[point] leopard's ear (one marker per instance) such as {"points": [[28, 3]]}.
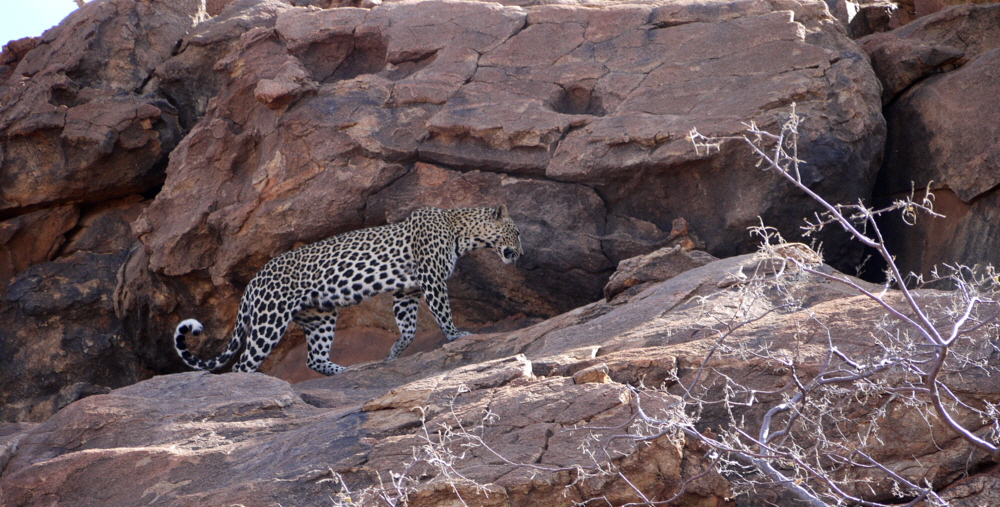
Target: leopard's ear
{"points": [[501, 212]]}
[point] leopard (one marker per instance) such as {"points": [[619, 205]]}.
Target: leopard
{"points": [[307, 285]]}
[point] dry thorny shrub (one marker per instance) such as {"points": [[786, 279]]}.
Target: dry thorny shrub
{"points": [[820, 437], [810, 440]]}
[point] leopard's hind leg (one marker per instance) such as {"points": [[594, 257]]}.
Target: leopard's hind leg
{"points": [[266, 325], [319, 325]]}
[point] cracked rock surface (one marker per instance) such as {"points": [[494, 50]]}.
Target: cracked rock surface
{"points": [[494, 419]]}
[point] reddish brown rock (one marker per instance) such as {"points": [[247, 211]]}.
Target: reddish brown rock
{"points": [[941, 134], [250, 439], [634, 274], [72, 125], [58, 329], [189, 78], [33, 238], [876, 17], [329, 120], [934, 44], [979, 489], [13, 52], [926, 7], [106, 227], [79, 140]]}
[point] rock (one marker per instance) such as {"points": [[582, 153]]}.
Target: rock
{"points": [[940, 136], [60, 337], [875, 17], [214, 7], [72, 126], [944, 114], [979, 489], [961, 155], [106, 228], [498, 413], [926, 7], [189, 78], [645, 129], [934, 44], [597, 374], [13, 52], [33, 238], [181, 434], [635, 273], [306, 118]]}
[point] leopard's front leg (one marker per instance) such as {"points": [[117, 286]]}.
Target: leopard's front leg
{"points": [[404, 307], [436, 295]]}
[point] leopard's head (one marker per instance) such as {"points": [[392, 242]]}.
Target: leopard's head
{"points": [[504, 237]]}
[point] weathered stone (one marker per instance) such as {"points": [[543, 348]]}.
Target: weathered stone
{"points": [[927, 7], [325, 121], [307, 120], [33, 238], [941, 134], [644, 131], [180, 434], [934, 44], [183, 432], [72, 127], [106, 228], [597, 374], [13, 52], [874, 17], [635, 273], [189, 78], [58, 328], [980, 489]]}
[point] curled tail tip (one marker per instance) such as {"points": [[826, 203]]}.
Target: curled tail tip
{"points": [[189, 326]]}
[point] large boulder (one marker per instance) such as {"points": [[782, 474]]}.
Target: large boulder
{"points": [[302, 122], [248, 439], [942, 96], [188, 78], [933, 45], [72, 125]]}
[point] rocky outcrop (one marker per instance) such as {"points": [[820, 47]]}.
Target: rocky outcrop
{"points": [[634, 274], [153, 158], [249, 439], [80, 143], [934, 45], [72, 127], [285, 124], [497, 413], [941, 93]]}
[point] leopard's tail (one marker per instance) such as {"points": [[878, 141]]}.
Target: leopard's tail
{"points": [[191, 326]]}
